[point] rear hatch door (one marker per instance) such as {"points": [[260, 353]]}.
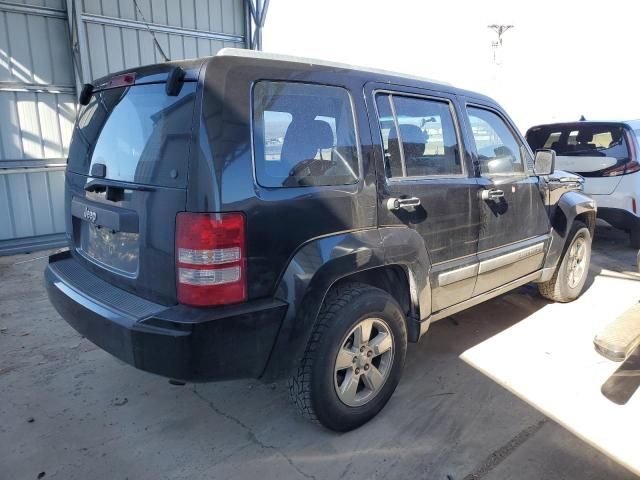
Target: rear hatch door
{"points": [[127, 180], [590, 149]]}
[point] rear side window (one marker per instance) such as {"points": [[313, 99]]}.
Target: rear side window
{"points": [[418, 136], [139, 133], [304, 135]]}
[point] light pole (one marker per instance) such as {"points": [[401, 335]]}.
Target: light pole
{"points": [[500, 31]]}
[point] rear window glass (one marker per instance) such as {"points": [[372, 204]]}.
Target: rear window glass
{"points": [[139, 133], [588, 140], [304, 135]]}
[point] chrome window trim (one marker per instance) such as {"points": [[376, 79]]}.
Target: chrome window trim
{"points": [[456, 126]]}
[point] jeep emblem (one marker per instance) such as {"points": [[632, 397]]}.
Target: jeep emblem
{"points": [[90, 215]]}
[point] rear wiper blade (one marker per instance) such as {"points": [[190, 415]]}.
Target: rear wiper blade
{"points": [[100, 184]]}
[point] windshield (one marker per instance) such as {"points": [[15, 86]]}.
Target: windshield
{"points": [[139, 133]]}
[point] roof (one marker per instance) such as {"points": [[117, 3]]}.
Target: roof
{"points": [[244, 53]]}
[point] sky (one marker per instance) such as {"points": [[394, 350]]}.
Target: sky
{"points": [[562, 59]]}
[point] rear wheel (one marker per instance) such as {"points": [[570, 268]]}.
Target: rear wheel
{"points": [[354, 359], [571, 275]]}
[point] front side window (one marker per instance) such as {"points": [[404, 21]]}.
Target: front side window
{"points": [[419, 137], [499, 153], [304, 135]]}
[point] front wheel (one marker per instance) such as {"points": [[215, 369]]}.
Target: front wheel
{"points": [[354, 359], [571, 275]]}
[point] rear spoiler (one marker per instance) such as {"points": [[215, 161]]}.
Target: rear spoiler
{"points": [[174, 80]]}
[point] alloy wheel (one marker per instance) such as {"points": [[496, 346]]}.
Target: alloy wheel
{"points": [[363, 362], [577, 262]]}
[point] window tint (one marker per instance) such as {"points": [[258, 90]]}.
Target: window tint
{"points": [[499, 152], [421, 137], [139, 133], [304, 135], [588, 140]]}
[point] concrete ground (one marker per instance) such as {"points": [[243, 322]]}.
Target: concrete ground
{"points": [[70, 411]]}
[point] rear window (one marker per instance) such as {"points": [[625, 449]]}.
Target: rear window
{"points": [[304, 135], [139, 133], [587, 140]]}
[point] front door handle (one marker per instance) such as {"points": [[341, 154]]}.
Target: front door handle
{"points": [[404, 203], [491, 194]]}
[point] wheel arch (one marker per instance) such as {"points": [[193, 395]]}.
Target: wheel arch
{"points": [[571, 207], [395, 262]]}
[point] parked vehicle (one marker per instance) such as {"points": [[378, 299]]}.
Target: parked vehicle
{"points": [[606, 155], [252, 215]]}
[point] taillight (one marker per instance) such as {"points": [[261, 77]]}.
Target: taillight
{"points": [[211, 265], [631, 166]]}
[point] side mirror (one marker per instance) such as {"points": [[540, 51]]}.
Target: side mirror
{"points": [[544, 162]]}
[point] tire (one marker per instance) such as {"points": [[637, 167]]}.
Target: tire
{"points": [[562, 287], [634, 237], [345, 313]]}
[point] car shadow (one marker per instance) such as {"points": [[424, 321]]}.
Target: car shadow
{"points": [[446, 419], [625, 381]]}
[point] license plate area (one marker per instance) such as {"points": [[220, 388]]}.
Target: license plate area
{"points": [[115, 251]]}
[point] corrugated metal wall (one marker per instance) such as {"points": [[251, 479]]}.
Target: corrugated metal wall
{"points": [[118, 37], [37, 110], [42, 63]]}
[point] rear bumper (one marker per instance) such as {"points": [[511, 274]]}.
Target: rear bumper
{"points": [[179, 342], [619, 218]]}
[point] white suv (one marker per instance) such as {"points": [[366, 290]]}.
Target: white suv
{"points": [[606, 155]]}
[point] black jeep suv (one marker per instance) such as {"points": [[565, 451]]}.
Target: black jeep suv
{"points": [[252, 215]]}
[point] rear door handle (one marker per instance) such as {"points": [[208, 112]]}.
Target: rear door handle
{"points": [[491, 194], [404, 203]]}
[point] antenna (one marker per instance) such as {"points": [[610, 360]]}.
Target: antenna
{"points": [[153, 35]]}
